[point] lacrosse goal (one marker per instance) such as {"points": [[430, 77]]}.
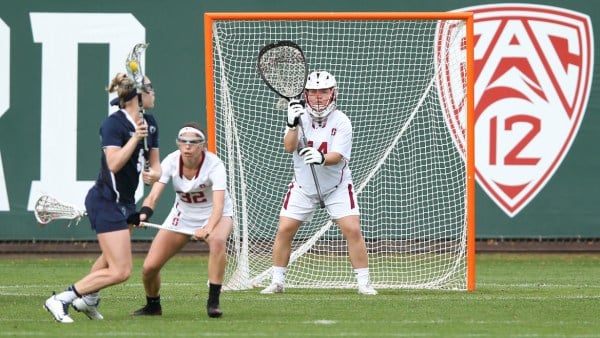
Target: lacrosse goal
{"points": [[406, 82]]}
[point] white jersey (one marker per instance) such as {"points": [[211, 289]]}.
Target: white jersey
{"points": [[194, 197], [334, 135]]}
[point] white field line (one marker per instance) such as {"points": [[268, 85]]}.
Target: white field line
{"points": [[479, 285], [201, 333]]}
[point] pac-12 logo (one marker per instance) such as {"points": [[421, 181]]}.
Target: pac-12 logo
{"points": [[533, 74]]}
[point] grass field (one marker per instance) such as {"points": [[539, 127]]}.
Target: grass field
{"points": [[527, 295]]}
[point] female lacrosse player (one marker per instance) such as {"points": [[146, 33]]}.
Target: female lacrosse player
{"points": [[110, 203], [329, 137], [202, 207]]}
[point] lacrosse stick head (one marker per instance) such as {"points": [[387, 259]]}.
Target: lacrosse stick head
{"points": [[282, 66], [48, 208], [133, 64]]}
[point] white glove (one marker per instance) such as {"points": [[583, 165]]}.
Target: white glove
{"points": [[295, 109], [312, 156]]}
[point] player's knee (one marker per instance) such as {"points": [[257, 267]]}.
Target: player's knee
{"points": [[353, 234], [286, 232], [217, 246], [150, 269], [121, 275]]}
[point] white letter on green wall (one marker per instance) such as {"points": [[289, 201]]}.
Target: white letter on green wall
{"points": [[60, 35]]}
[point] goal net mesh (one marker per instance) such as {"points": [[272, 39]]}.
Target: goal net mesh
{"points": [[408, 161]]}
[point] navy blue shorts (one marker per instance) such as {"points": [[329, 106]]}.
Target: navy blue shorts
{"points": [[104, 213]]}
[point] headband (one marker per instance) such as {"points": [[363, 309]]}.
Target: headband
{"points": [[117, 100], [191, 130]]}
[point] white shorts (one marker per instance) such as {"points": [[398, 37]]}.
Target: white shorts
{"points": [[186, 224], [339, 203]]}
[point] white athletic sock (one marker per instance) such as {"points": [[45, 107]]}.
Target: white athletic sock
{"points": [[279, 274], [362, 276], [91, 298], [67, 296]]}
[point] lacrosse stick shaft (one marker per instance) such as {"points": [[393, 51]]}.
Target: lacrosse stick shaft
{"points": [[146, 150], [314, 172], [48, 209], [161, 227]]}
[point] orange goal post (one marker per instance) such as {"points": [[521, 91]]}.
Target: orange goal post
{"points": [[405, 80]]}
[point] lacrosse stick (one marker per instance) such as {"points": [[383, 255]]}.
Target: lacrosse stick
{"points": [[133, 65], [283, 68], [48, 209]]}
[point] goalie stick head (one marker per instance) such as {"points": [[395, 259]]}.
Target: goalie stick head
{"points": [[282, 66]]}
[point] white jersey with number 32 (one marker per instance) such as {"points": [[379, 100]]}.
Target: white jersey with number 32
{"points": [[194, 197], [333, 135]]}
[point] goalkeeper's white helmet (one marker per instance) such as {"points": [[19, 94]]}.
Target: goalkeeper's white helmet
{"points": [[319, 109]]}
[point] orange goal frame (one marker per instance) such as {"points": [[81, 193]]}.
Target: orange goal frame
{"points": [[209, 18]]}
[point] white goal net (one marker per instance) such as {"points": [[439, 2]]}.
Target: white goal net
{"points": [[403, 84]]}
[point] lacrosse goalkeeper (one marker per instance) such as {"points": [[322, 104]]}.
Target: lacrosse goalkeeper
{"points": [[110, 203], [202, 206], [329, 143]]}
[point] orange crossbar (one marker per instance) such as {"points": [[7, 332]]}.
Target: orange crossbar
{"points": [[470, 129], [340, 16]]}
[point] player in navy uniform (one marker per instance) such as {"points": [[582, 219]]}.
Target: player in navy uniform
{"points": [[202, 207], [110, 203]]}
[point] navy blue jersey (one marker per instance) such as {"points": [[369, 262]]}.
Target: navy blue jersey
{"points": [[116, 130]]}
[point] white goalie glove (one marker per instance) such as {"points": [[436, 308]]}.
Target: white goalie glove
{"points": [[312, 156], [295, 109]]}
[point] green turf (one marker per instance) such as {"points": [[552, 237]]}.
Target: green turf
{"points": [[517, 296]]}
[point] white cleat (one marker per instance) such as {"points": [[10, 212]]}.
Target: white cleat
{"points": [[366, 290], [58, 309], [91, 311], [273, 288]]}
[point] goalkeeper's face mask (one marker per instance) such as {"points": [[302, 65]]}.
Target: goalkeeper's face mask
{"points": [[320, 94], [320, 102]]}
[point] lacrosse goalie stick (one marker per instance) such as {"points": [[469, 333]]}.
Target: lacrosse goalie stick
{"points": [[48, 209], [283, 68], [133, 65]]}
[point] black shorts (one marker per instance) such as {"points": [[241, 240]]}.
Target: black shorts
{"points": [[104, 213]]}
